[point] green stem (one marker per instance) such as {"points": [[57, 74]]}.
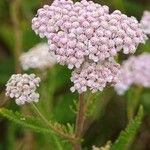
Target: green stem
{"points": [[14, 13], [60, 133], [79, 121], [133, 100]]}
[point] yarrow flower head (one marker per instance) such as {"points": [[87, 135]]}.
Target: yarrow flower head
{"points": [[94, 76], [23, 88], [86, 32], [145, 21], [37, 57], [135, 70]]}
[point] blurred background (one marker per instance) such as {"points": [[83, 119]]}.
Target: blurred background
{"points": [[110, 113]]}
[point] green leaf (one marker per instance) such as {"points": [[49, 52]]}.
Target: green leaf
{"points": [[127, 136], [26, 121]]}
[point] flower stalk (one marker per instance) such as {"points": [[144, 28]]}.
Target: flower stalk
{"points": [[79, 121]]}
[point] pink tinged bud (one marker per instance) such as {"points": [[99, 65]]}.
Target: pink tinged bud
{"points": [[90, 19], [65, 18], [41, 12], [63, 40], [71, 44], [85, 24], [132, 49], [69, 52], [104, 24], [106, 9], [82, 38], [67, 25], [50, 29], [103, 40], [79, 30], [73, 60], [108, 33], [81, 19], [65, 11], [94, 40], [70, 66], [128, 40], [42, 28], [84, 89], [75, 24], [99, 33], [113, 51], [121, 33], [72, 35], [72, 89], [89, 31], [79, 54], [52, 47], [113, 28], [125, 50], [56, 38], [95, 24], [59, 23], [118, 41], [73, 18], [80, 45]]}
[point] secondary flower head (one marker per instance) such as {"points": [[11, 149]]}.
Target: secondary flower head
{"points": [[23, 88], [85, 31], [94, 76], [145, 21], [135, 70], [37, 57]]}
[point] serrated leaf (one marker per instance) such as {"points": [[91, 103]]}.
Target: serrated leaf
{"points": [[127, 136], [26, 121]]}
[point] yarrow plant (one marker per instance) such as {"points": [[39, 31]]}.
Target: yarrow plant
{"points": [[85, 37], [145, 21], [37, 57], [135, 71], [23, 88]]}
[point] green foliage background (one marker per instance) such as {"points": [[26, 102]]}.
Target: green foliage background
{"points": [[109, 112]]}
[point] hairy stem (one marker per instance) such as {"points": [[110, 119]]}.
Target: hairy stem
{"points": [[60, 133], [79, 121]]}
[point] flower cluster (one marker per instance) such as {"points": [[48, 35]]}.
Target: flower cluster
{"points": [[94, 76], [23, 88], [135, 70], [37, 57], [145, 21], [85, 31]]}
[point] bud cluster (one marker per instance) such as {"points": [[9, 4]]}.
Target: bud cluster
{"points": [[23, 88]]}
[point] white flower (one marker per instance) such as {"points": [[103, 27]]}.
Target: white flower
{"points": [[145, 21], [37, 57], [135, 70], [23, 88]]}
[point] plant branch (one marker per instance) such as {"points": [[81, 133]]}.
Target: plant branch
{"points": [[79, 121], [60, 133]]}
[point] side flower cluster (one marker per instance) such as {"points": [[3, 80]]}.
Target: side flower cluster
{"points": [[23, 88], [37, 57], [94, 76], [145, 21], [135, 70]]}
